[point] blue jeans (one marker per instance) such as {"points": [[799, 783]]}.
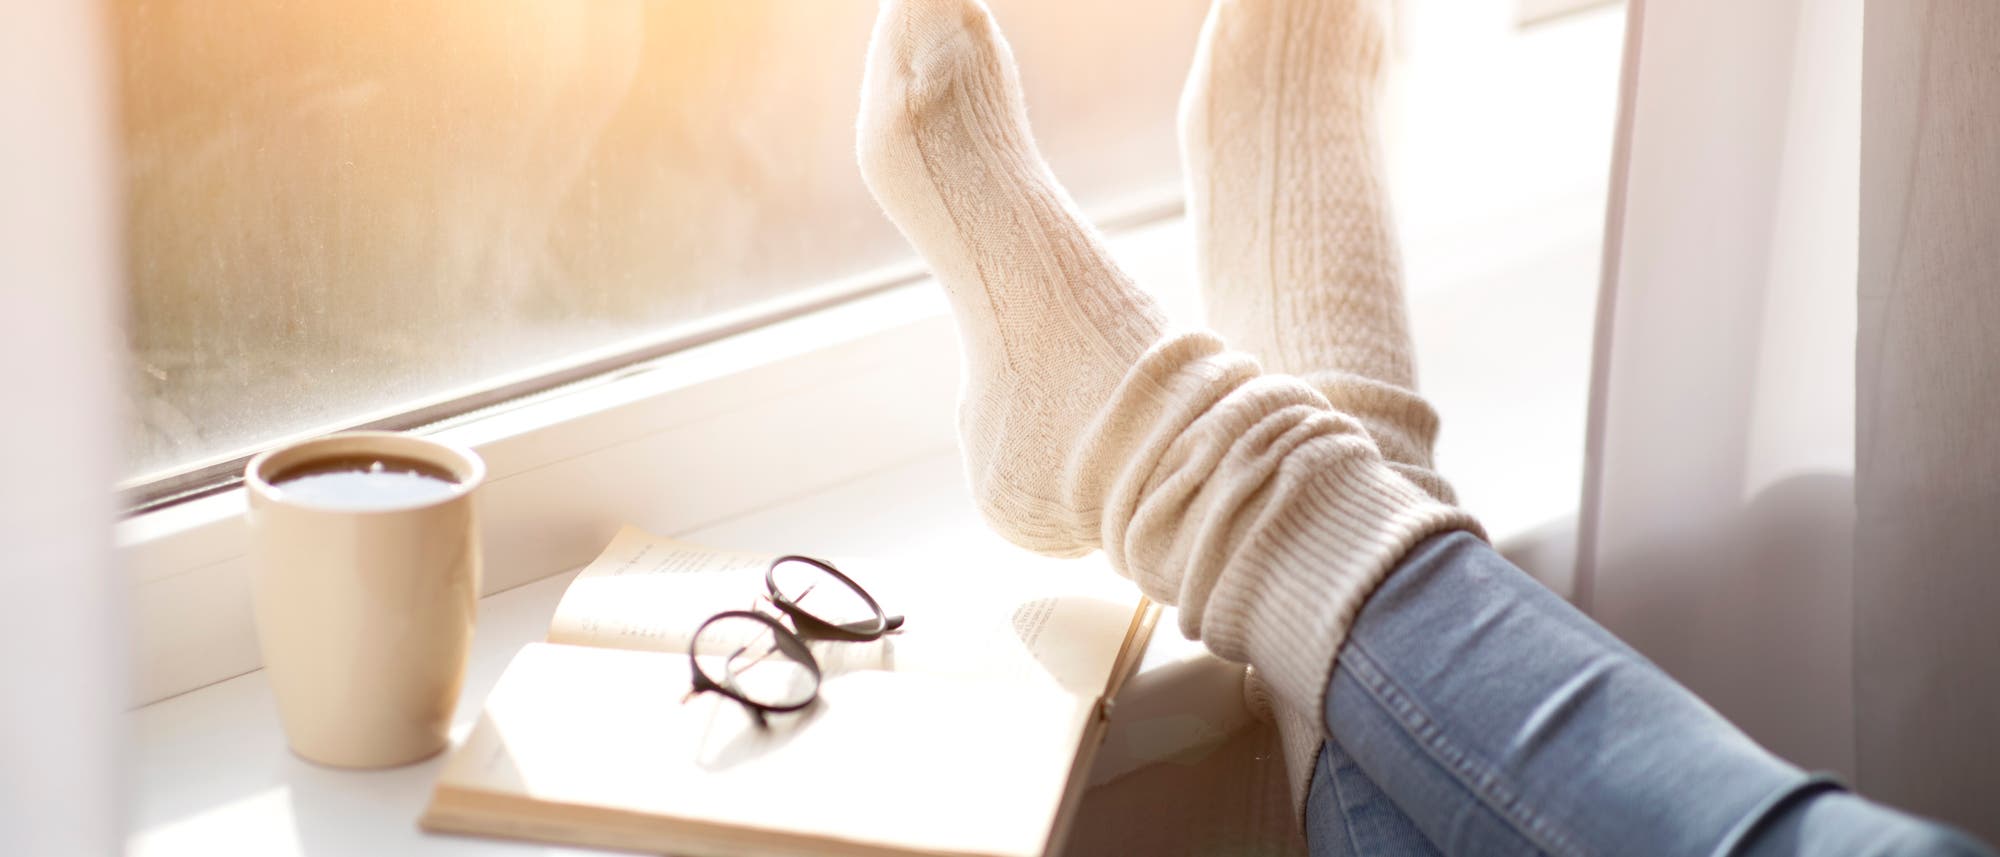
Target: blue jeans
{"points": [[1474, 712]]}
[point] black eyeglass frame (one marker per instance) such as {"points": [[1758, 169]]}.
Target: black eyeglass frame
{"points": [[812, 627], [786, 642], [790, 642]]}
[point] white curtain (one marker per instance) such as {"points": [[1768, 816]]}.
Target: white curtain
{"points": [[1927, 549], [61, 644], [1719, 530]]}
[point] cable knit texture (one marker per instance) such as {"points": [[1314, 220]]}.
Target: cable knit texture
{"points": [[1295, 247], [1244, 498], [1294, 242]]}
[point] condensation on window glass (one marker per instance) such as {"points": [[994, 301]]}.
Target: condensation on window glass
{"points": [[337, 208]]}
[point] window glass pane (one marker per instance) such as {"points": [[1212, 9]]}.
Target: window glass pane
{"points": [[338, 208]]}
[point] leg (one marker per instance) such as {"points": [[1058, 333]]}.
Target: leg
{"points": [[1503, 721], [1830, 821], [1265, 515], [1341, 810], [1480, 703], [1347, 815], [1296, 251], [1084, 422]]}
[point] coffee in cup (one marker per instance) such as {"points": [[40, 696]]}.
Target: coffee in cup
{"points": [[365, 579]]}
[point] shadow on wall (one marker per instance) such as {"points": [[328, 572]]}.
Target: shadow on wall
{"points": [[1751, 610]]}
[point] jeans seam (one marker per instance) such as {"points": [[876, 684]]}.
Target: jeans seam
{"points": [[1480, 779]]}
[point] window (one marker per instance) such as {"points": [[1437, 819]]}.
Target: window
{"points": [[345, 213], [327, 209]]}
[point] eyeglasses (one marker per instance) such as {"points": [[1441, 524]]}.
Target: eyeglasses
{"points": [[764, 664]]}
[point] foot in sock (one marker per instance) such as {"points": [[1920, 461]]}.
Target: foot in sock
{"points": [[1295, 248], [1050, 327], [1265, 515], [1294, 243]]}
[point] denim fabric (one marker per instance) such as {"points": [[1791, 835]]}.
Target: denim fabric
{"points": [[1828, 820], [1474, 712], [1347, 815]]}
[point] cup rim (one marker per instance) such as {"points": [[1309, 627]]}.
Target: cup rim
{"points": [[467, 468]]}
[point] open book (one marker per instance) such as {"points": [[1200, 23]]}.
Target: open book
{"points": [[966, 732]]}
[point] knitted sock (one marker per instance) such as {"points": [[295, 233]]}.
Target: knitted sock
{"points": [[1266, 516], [1296, 250], [1049, 325]]}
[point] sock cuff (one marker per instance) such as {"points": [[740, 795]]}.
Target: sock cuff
{"points": [[1287, 601], [1266, 515], [1325, 547]]}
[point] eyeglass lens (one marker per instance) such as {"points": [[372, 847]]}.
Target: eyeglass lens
{"points": [[811, 588], [746, 657]]}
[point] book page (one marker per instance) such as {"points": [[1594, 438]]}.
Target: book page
{"points": [[1014, 616], [598, 745], [644, 592]]}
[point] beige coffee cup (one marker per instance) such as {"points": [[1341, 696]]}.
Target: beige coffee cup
{"points": [[365, 613]]}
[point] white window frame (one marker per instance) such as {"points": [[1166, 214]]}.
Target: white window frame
{"points": [[224, 470]]}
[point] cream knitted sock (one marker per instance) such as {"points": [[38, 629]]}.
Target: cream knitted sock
{"points": [[1295, 247], [1266, 516], [1296, 250], [1049, 325]]}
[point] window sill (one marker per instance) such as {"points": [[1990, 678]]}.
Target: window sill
{"points": [[214, 776]]}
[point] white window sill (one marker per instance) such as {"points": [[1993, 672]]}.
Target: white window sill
{"points": [[214, 776]]}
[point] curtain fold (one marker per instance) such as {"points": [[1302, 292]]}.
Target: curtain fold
{"points": [[1716, 533], [1927, 462], [1792, 496]]}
